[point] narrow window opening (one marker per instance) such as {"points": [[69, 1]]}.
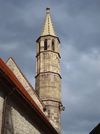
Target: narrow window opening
{"points": [[39, 47], [45, 44], [53, 45]]}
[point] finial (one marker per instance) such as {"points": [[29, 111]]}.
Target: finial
{"points": [[47, 10]]}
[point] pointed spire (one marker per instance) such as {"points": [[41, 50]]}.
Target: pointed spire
{"points": [[48, 26]]}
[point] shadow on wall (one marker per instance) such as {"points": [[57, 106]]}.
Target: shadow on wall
{"points": [[7, 123]]}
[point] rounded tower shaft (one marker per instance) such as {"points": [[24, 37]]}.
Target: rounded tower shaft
{"points": [[48, 78]]}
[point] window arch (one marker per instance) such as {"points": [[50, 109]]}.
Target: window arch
{"points": [[45, 44], [53, 45]]}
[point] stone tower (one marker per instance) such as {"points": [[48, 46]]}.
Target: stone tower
{"points": [[48, 78]]}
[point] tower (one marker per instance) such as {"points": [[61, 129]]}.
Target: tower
{"points": [[48, 78]]}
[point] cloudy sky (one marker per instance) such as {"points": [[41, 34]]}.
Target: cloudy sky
{"points": [[77, 23]]}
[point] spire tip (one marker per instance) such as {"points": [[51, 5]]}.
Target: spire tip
{"points": [[47, 10]]}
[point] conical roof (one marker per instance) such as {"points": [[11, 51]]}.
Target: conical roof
{"points": [[48, 28]]}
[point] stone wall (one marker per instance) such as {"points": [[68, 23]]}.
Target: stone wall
{"points": [[14, 68], [53, 114], [16, 118], [17, 122], [1, 108], [48, 61], [48, 86], [48, 77]]}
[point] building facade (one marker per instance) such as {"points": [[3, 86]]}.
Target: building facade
{"points": [[23, 109], [48, 77], [19, 113]]}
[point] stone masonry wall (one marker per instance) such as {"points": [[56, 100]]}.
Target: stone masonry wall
{"points": [[1, 108], [48, 77], [17, 121], [11, 64], [48, 86], [53, 113]]}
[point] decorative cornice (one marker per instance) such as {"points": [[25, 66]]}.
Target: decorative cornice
{"points": [[48, 72], [47, 36]]}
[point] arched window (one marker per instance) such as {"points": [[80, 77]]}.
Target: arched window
{"points": [[39, 47], [53, 45], [45, 44]]}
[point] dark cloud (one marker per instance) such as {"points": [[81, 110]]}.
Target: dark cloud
{"points": [[77, 23]]}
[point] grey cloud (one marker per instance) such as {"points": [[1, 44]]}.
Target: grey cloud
{"points": [[80, 89]]}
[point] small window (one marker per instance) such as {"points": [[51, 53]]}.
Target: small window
{"points": [[39, 46], [53, 45], [45, 44]]}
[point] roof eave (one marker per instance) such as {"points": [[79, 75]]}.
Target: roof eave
{"points": [[19, 88]]}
